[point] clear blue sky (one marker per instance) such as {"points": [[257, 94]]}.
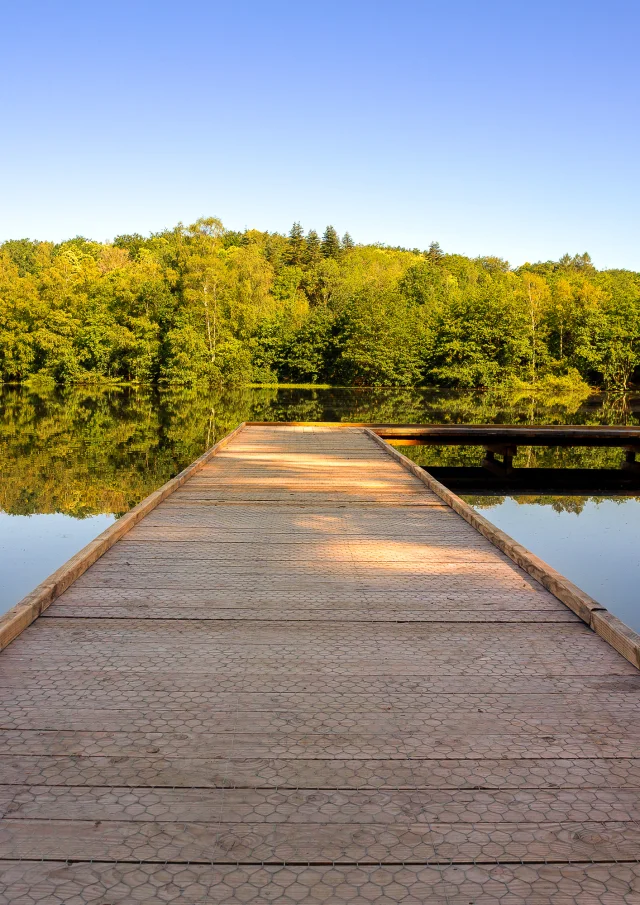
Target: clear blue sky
{"points": [[508, 128]]}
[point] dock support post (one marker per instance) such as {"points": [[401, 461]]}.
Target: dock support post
{"points": [[501, 468], [630, 462]]}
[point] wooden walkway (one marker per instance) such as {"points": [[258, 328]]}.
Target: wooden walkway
{"points": [[304, 679]]}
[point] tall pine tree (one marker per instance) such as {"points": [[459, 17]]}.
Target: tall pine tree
{"points": [[330, 243], [297, 244], [435, 252], [347, 242], [314, 252]]}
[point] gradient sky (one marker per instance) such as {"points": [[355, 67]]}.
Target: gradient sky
{"points": [[505, 128]]}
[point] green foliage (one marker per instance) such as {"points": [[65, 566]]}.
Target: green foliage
{"points": [[297, 245], [330, 243], [379, 341], [307, 350], [481, 335], [435, 252], [200, 304], [314, 250]]}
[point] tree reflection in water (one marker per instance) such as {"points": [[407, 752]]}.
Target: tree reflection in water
{"points": [[86, 451]]}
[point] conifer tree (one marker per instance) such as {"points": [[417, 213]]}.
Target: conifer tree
{"points": [[347, 242], [297, 244], [435, 252], [330, 243], [314, 252]]}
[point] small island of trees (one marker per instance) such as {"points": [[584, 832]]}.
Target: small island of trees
{"points": [[206, 304]]}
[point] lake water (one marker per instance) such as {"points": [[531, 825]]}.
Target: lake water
{"points": [[595, 543], [73, 461]]}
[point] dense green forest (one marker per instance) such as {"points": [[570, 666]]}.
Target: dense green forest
{"points": [[205, 304]]}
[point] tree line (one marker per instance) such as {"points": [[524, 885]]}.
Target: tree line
{"points": [[205, 304]]}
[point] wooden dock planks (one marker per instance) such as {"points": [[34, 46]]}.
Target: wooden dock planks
{"points": [[304, 678]]}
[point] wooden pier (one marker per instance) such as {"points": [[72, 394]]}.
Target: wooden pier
{"points": [[301, 676]]}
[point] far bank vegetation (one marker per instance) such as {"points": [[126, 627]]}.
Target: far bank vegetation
{"points": [[205, 304]]}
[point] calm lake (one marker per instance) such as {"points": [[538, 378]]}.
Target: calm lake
{"points": [[74, 461]]}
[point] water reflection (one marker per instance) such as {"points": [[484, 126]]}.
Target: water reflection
{"points": [[82, 456]]}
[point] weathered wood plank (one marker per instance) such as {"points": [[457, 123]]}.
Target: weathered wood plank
{"points": [[264, 613], [483, 842], [439, 774], [530, 884], [26, 701], [588, 740], [457, 594], [308, 806], [91, 681]]}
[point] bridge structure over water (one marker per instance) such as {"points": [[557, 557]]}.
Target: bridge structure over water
{"points": [[306, 672]]}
